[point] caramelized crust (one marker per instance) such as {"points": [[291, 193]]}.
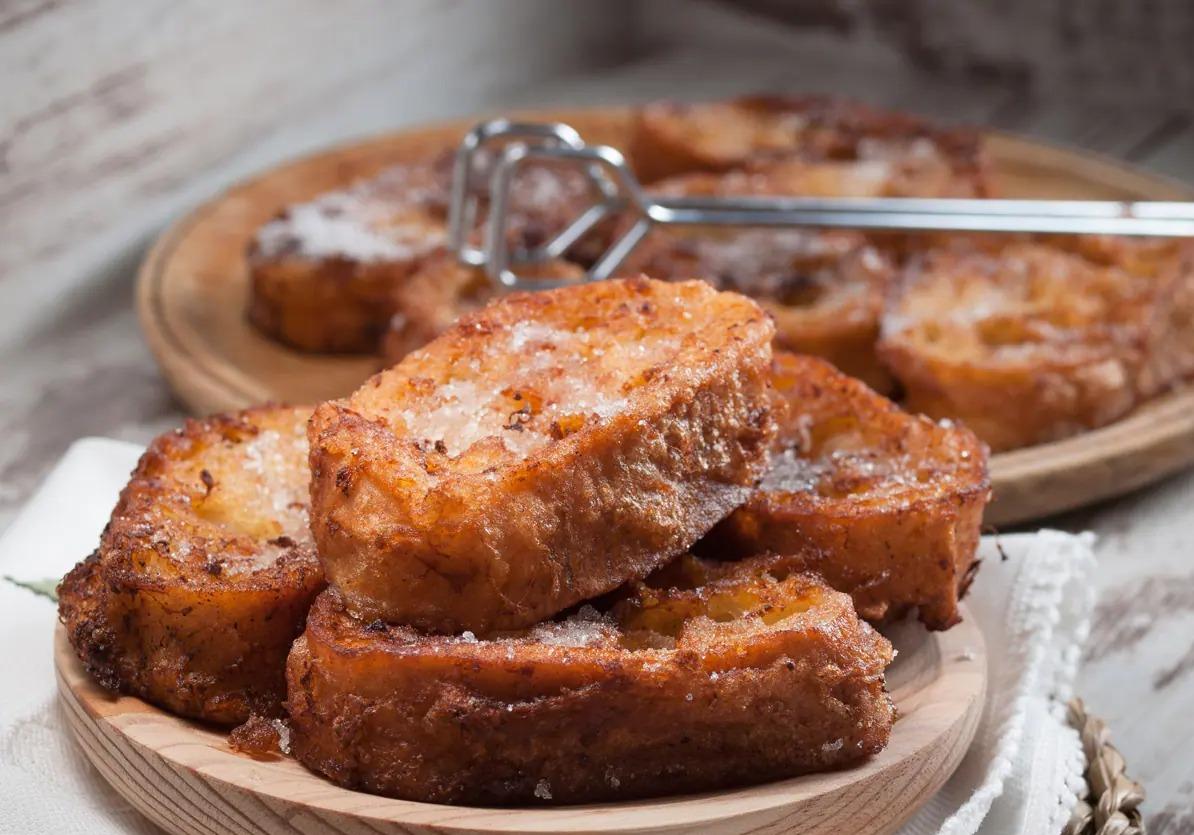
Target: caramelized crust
{"points": [[664, 690], [440, 292], [823, 289], [1029, 341], [205, 572], [831, 141], [542, 451], [885, 505]]}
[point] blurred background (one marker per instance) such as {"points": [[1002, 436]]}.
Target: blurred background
{"points": [[117, 117]]}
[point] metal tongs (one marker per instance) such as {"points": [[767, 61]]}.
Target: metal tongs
{"points": [[617, 191]]}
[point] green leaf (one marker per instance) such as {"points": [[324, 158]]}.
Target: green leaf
{"points": [[43, 588]]}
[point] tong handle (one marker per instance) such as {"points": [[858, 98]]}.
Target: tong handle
{"points": [[620, 192]]}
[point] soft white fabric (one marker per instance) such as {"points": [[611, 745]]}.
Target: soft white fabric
{"points": [[1032, 600], [1020, 775]]}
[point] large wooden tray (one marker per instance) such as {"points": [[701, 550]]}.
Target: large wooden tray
{"points": [[184, 778], [193, 285]]}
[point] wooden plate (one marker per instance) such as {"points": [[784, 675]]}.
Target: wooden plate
{"points": [[184, 778], [192, 291]]}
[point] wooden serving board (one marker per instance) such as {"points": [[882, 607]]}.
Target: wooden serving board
{"points": [[192, 293], [184, 777]]}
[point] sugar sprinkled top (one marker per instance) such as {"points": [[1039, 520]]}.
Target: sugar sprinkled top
{"points": [[386, 218], [564, 379], [265, 500], [271, 456]]}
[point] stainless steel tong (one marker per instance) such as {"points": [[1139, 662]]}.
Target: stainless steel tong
{"points": [[497, 149]]}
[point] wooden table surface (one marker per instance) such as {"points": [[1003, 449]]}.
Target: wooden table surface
{"points": [[81, 368]]}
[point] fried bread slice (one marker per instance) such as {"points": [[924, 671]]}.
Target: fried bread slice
{"points": [[204, 574], [540, 452], [844, 140], [824, 290], [663, 688], [885, 505], [323, 275], [1029, 341], [442, 290]]}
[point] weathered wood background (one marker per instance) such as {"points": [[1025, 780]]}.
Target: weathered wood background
{"points": [[116, 117]]}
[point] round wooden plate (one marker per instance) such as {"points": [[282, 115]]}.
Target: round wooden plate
{"points": [[193, 285], [184, 778]]}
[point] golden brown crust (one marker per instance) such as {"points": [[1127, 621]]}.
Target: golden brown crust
{"points": [[886, 506], [674, 138], [440, 292], [205, 572], [671, 690], [541, 452], [1029, 341]]}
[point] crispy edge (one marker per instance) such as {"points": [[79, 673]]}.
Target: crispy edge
{"points": [[436, 720], [187, 643], [890, 556]]}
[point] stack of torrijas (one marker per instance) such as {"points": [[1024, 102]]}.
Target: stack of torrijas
{"points": [[587, 544]]}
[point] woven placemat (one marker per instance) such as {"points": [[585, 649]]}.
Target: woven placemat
{"points": [[1111, 803]]}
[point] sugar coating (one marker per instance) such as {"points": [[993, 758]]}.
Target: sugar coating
{"points": [[271, 457], [585, 628], [918, 149], [388, 218], [539, 187], [283, 730], [399, 215], [565, 379], [258, 492], [783, 264], [791, 472]]}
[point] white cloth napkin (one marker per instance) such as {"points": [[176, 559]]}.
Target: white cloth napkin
{"points": [[1021, 774]]}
